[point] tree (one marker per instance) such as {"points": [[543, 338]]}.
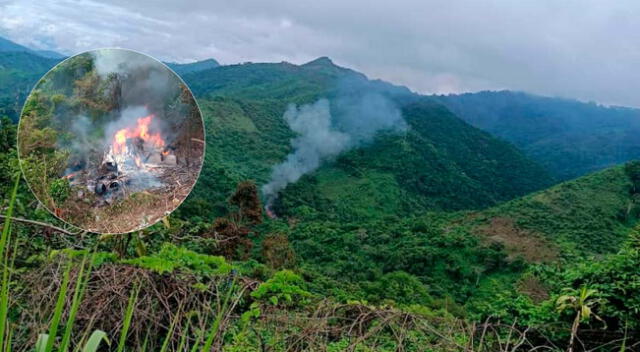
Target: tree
{"points": [[632, 169], [582, 303], [232, 231]]}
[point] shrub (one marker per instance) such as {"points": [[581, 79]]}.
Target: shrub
{"points": [[285, 288]]}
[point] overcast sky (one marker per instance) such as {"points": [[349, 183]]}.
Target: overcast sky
{"points": [[588, 50]]}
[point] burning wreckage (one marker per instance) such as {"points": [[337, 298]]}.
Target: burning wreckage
{"points": [[135, 160]]}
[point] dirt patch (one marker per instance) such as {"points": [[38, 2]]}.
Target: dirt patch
{"points": [[527, 244], [532, 287]]}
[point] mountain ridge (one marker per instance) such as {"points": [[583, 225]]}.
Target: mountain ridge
{"points": [[570, 138], [7, 45]]}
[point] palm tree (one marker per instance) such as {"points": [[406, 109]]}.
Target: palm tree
{"points": [[582, 303]]}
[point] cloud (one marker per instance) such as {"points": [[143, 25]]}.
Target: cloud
{"points": [[582, 49]]}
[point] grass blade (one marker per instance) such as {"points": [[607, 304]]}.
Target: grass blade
{"points": [[41, 344], [81, 284], [59, 309], [183, 338], [9, 214], [146, 340], [169, 335], [213, 332], [94, 341], [127, 318], [4, 238]]}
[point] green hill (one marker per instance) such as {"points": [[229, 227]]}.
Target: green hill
{"points": [[568, 137], [456, 252], [590, 215], [19, 72], [438, 162]]}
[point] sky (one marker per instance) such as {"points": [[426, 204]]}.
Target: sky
{"points": [[588, 50]]}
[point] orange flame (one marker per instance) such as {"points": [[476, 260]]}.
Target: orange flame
{"points": [[141, 130]]}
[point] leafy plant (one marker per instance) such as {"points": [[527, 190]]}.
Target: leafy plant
{"points": [[285, 288], [582, 304]]}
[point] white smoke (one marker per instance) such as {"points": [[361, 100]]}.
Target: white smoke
{"points": [[322, 135], [108, 61], [316, 142]]}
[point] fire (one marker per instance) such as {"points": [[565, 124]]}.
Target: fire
{"points": [[120, 142], [141, 130]]}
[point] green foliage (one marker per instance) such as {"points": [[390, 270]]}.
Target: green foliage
{"points": [[633, 172], [447, 259], [616, 279], [19, 72], [285, 289], [592, 214], [399, 287], [171, 258], [59, 190]]}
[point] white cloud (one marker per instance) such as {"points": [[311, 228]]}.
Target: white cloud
{"points": [[583, 49]]}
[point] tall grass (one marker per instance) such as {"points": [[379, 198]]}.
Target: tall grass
{"points": [[215, 327], [6, 271], [128, 315], [45, 342]]}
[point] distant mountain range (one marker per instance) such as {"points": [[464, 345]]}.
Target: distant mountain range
{"points": [[568, 137]]}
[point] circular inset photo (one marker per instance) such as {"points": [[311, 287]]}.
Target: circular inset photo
{"points": [[111, 141]]}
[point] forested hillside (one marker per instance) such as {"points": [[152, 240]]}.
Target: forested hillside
{"points": [[437, 162], [19, 72], [568, 137]]}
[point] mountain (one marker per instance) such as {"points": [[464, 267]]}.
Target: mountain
{"points": [[568, 137], [9, 46], [182, 69], [438, 163], [50, 54], [19, 72]]}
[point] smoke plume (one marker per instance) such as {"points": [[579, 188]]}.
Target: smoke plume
{"points": [[317, 141], [328, 128]]}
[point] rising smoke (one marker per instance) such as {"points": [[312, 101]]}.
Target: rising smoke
{"points": [[327, 128], [142, 80], [316, 141]]}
